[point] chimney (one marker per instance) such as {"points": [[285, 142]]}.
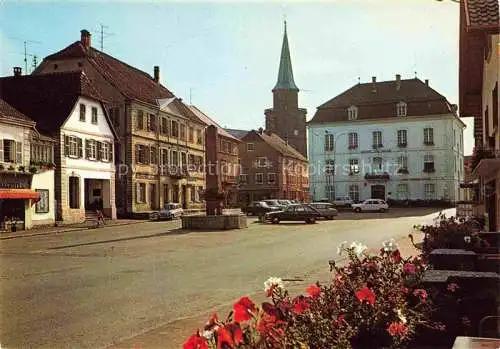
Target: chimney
{"points": [[427, 82], [85, 38], [374, 81], [18, 71], [398, 82], [261, 130], [156, 74]]}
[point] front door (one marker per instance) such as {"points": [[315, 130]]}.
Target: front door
{"points": [[152, 196], [184, 197], [378, 192]]}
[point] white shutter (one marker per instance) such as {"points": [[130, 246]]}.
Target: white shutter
{"points": [[1, 150], [19, 152]]}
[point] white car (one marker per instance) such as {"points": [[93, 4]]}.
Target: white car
{"points": [[171, 211], [371, 205], [343, 201]]}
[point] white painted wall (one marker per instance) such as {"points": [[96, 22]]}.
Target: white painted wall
{"points": [[447, 152], [44, 180]]}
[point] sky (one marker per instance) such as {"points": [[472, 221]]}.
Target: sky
{"points": [[223, 56]]}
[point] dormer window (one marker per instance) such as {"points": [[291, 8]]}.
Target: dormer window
{"points": [[401, 109], [352, 112]]}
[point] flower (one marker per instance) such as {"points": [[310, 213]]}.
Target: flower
{"points": [[340, 320], [229, 336], [301, 305], [358, 248], [452, 287], [268, 326], [396, 256], [390, 245], [409, 268], [196, 342], [365, 294], [212, 323], [398, 329], [467, 239], [341, 247], [208, 334], [401, 316], [420, 293], [271, 284], [314, 291], [243, 309]]}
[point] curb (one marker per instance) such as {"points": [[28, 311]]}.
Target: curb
{"points": [[68, 230]]}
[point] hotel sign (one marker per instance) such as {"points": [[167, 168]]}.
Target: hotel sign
{"points": [[15, 180]]}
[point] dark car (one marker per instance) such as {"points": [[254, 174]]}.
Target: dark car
{"points": [[328, 210], [258, 208], [294, 212]]}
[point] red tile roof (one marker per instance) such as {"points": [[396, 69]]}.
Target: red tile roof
{"points": [[419, 97], [482, 14], [131, 82], [278, 144], [11, 113], [204, 118], [47, 99]]}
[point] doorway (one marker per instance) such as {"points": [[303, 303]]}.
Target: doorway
{"points": [[152, 196], [184, 197], [378, 192]]}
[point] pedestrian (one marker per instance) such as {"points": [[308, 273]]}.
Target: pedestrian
{"points": [[100, 218]]}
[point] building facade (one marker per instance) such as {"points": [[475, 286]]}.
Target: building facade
{"points": [[394, 139], [159, 137], [285, 118], [271, 169], [479, 75], [26, 172]]}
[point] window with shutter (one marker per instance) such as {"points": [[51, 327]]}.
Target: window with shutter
{"points": [[110, 151], [66, 145], [80, 148], [153, 157], [87, 149], [19, 153], [1, 150], [137, 153], [100, 149]]}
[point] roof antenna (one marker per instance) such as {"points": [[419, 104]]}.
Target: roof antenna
{"points": [[359, 80], [103, 35], [415, 75]]}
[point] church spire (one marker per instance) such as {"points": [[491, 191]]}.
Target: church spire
{"points": [[285, 74]]}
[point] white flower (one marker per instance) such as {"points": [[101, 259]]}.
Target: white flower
{"points": [[467, 239], [341, 247], [277, 282], [390, 245], [208, 334], [401, 316], [358, 248]]}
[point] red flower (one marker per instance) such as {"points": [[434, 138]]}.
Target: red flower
{"points": [[212, 322], [229, 336], [196, 342], [313, 291], [365, 294], [404, 290], [243, 309], [396, 256], [269, 326], [301, 305], [341, 320], [398, 329], [422, 294], [409, 268]]}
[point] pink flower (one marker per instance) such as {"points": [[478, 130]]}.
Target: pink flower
{"points": [[314, 291], [396, 256], [397, 329], [243, 309], [365, 294], [196, 342], [422, 294], [409, 268], [452, 287]]}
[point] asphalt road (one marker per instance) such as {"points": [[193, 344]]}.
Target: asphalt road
{"points": [[90, 289]]}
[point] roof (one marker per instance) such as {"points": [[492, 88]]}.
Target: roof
{"points": [[131, 82], [285, 73], [47, 99], [482, 14], [237, 133], [11, 113], [379, 100], [277, 143], [204, 118]]}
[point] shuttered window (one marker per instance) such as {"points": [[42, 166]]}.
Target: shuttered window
{"points": [[73, 147]]}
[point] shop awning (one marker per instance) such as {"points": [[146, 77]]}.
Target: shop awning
{"points": [[19, 194], [487, 168]]}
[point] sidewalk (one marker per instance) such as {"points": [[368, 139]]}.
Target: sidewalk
{"points": [[66, 228]]}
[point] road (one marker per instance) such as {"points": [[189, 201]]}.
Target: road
{"points": [[94, 288]]}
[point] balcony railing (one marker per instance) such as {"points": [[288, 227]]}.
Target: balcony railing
{"points": [[380, 176]]}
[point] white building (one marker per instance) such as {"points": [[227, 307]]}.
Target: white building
{"points": [[67, 107], [394, 139]]}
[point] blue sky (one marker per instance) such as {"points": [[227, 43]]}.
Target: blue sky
{"points": [[227, 53]]}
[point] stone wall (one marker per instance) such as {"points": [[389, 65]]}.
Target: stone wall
{"points": [[221, 222]]}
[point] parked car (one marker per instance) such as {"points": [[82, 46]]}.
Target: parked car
{"points": [[274, 203], [328, 210], [344, 201], [371, 205], [285, 202], [294, 212], [258, 208], [171, 211]]}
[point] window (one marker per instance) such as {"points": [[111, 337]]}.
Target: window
{"points": [[330, 166], [428, 136], [401, 109], [199, 136], [403, 163], [152, 122], [141, 154], [74, 192], [430, 191], [39, 152], [192, 193], [354, 192], [183, 159], [175, 129], [243, 178], [94, 116], [82, 112], [353, 140], [402, 191], [191, 134], [73, 147], [353, 166], [183, 132], [377, 139], [259, 178], [271, 178], [105, 151], [402, 138], [329, 142], [141, 193], [164, 126], [139, 121], [153, 155], [352, 113], [330, 192], [429, 163], [91, 149], [250, 147], [164, 157], [174, 158], [377, 164], [12, 151], [175, 193], [262, 162], [42, 206]]}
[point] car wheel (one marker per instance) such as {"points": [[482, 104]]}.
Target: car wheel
{"points": [[331, 218], [276, 220], [357, 209], [312, 220], [382, 210]]}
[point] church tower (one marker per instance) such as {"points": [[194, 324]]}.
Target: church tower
{"points": [[285, 118]]}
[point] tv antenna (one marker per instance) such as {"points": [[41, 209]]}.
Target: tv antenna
{"points": [[26, 52], [103, 35]]}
